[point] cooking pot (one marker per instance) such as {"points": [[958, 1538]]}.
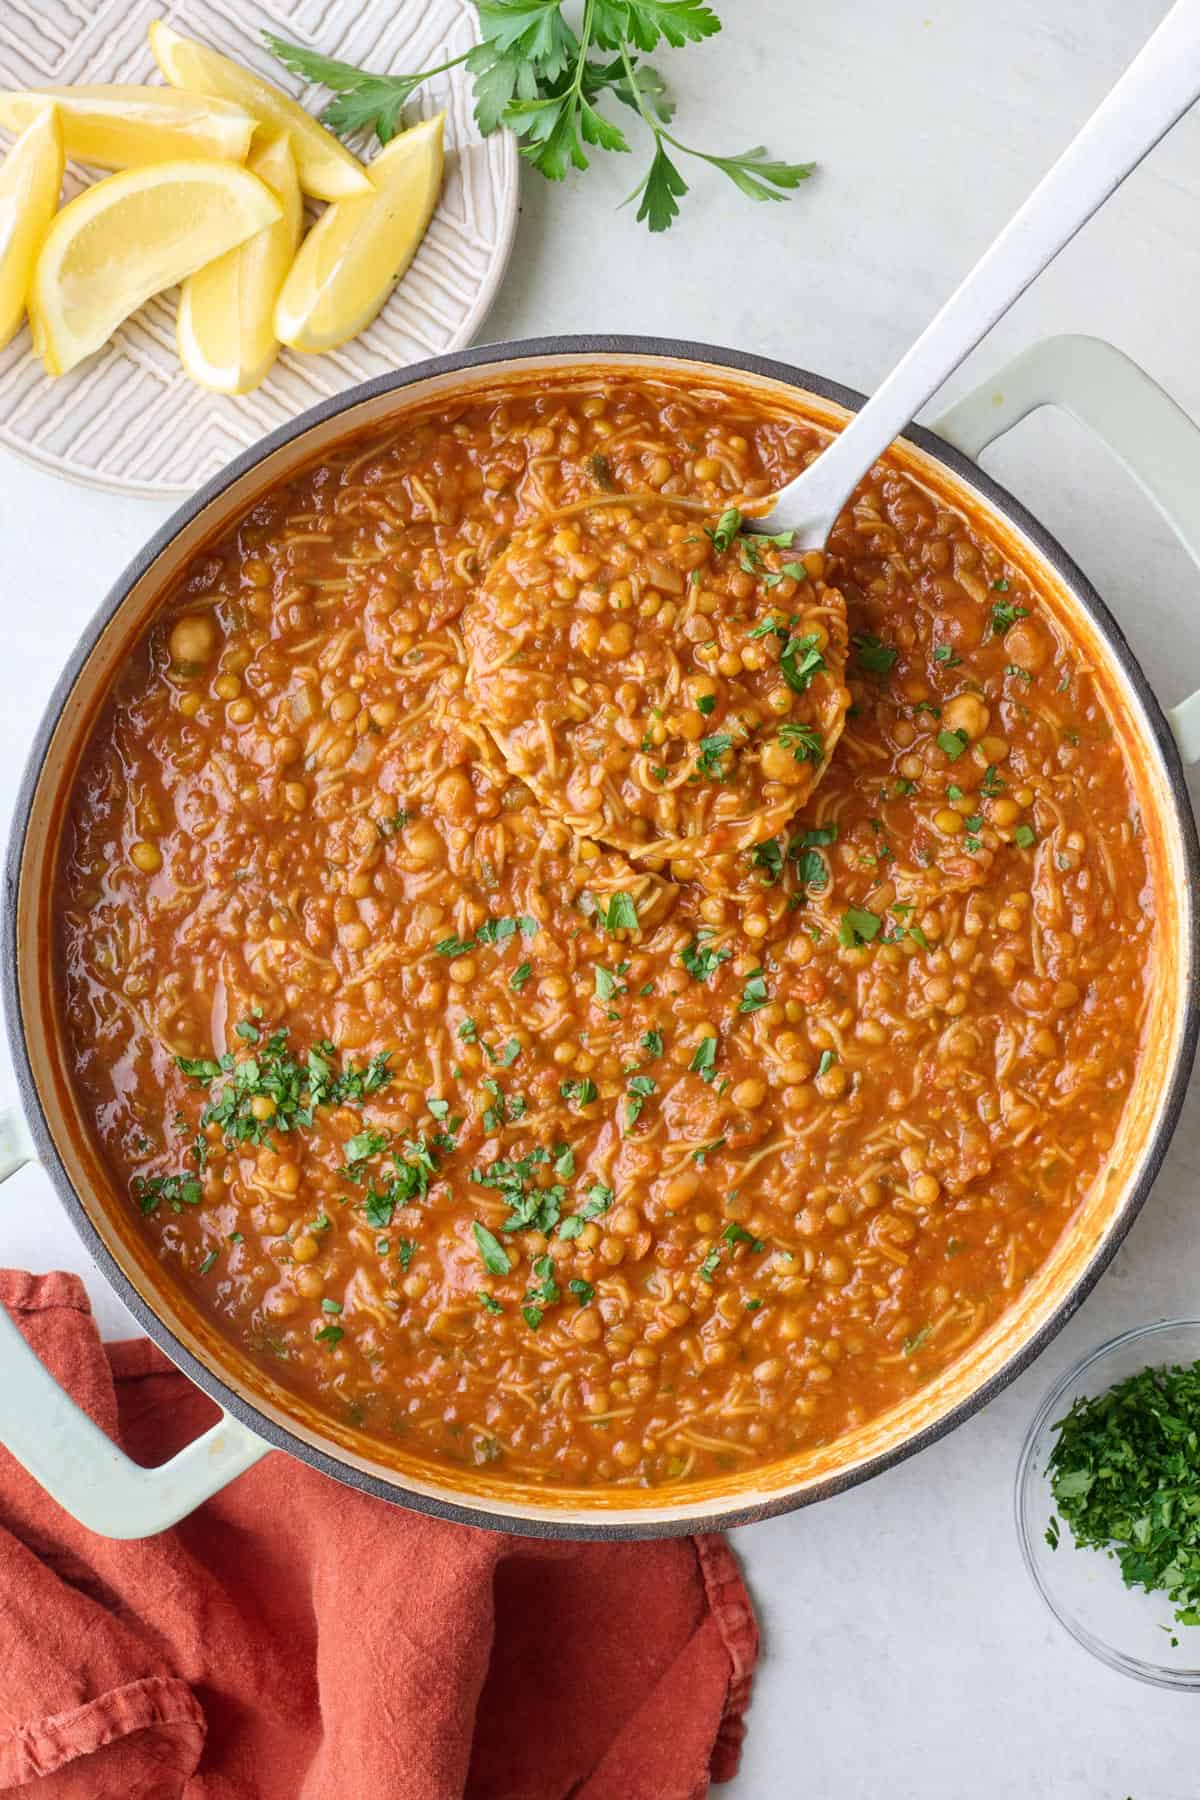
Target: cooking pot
{"points": [[78, 1465]]}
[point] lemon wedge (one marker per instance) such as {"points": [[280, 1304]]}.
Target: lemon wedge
{"points": [[225, 327], [30, 177], [128, 237], [358, 249], [124, 127], [326, 168]]}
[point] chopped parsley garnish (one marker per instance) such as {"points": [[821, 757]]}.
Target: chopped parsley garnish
{"points": [[804, 741], [710, 760], [208, 1263], [725, 529], [271, 1072], [799, 661], [621, 913], [329, 1334], [1004, 614], [700, 1157], [946, 656], [913, 1344], [1016, 669], [389, 828], [640, 1089], [795, 570], [873, 655], [175, 1191], [582, 1091], [754, 994], [406, 1249], [704, 1059], [597, 1202], [492, 1253], [858, 926], [700, 959], [812, 872], [520, 976], [582, 1290], [492, 931], [652, 1043], [362, 1146], [826, 1063], [706, 704], [1025, 836], [953, 743], [408, 1182], [488, 1302], [768, 856], [607, 984], [730, 1237], [991, 785], [1124, 1475]]}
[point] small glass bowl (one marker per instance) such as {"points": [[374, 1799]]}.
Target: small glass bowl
{"points": [[1126, 1628]]}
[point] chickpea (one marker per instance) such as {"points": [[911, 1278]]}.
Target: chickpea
{"points": [[778, 763], [749, 1094], [146, 857], [456, 797], [948, 822], [1004, 812], [227, 687], [296, 795], [680, 1190], [586, 1325], [966, 712], [423, 844], [305, 1248], [193, 639]]}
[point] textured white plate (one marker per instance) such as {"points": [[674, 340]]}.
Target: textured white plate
{"points": [[129, 419]]}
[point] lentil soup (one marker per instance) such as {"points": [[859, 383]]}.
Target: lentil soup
{"points": [[507, 1150]]}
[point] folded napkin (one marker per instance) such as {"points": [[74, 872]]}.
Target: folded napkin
{"points": [[294, 1640]]}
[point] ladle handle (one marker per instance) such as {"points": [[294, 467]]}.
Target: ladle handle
{"points": [[1156, 90]]}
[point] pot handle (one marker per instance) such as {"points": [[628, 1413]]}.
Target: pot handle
{"points": [[68, 1455], [1147, 432]]}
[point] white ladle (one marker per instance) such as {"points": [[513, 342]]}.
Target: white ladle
{"points": [[1155, 91]]}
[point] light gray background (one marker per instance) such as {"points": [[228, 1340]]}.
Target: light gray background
{"points": [[905, 1653]]}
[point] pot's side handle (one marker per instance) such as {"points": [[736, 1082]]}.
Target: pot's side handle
{"points": [[71, 1457], [83, 1469], [1148, 433]]}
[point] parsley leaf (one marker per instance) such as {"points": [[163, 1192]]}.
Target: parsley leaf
{"points": [[710, 760], [492, 1253], [858, 926], [804, 741], [874, 655], [621, 913], [700, 959]]}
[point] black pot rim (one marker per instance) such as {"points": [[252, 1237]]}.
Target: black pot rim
{"points": [[582, 348]]}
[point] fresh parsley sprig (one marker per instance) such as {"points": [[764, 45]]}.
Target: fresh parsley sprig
{"points": [[533, 73]]}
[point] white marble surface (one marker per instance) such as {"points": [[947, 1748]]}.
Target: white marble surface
{"points": [[905, 1653]]}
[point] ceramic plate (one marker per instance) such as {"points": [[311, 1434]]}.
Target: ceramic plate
{"points": [[129, 419]]}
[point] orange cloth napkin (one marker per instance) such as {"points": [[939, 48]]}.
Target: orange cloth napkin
{"points": [[294, 1640]]}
